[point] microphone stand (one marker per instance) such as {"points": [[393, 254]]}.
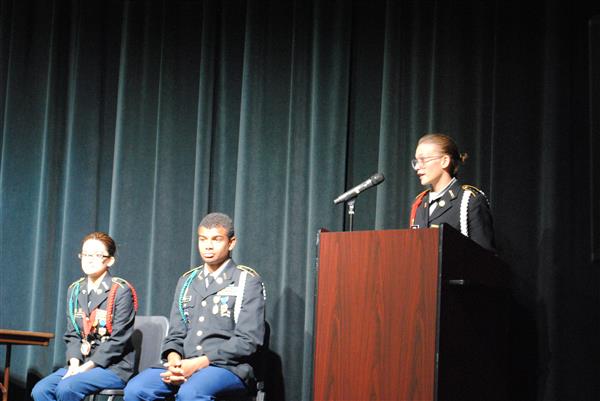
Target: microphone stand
{"points": [[350, 204]]}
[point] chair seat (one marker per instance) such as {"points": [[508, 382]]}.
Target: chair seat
{"points": [[111, 391]]}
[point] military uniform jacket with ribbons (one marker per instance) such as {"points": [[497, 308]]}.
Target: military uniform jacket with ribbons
{"points": [[475, 222], [116, 351], [225, 322]]}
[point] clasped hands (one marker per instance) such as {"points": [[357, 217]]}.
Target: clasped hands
{"points": [[75, 368], [178, 369]]}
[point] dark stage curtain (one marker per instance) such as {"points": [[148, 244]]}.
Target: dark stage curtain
{"points": [[138, 117]]}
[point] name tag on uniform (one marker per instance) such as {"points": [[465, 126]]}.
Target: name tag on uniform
{"points": [[227, 291]]}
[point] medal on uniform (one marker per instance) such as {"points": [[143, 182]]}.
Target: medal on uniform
{"points": [[101, 316], [224, 308], [85, 348]]}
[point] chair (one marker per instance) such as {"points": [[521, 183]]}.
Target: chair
{"points": [[260, 394], [260, 370], [148, 335]]}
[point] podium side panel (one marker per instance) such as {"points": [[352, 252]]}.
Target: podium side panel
{"points": [[473, 347]]}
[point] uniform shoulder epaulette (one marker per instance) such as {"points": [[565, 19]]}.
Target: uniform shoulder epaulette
{"points": [[250, 270], [120, 281], [191, 271], [476, 191], [76, 281]]}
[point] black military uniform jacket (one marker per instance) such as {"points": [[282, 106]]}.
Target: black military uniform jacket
{"points": [[225, 322], [479, 218], [116, 351]]}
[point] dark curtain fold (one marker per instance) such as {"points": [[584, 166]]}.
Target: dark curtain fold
{"points": [[138, 117]]}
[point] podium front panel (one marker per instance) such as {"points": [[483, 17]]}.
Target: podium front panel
{"points": [[376, 315]]}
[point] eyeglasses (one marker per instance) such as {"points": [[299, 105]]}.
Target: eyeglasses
{"points": [[423, 160], [97, 256]]}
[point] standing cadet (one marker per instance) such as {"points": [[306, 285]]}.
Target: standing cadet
{"points": [[101, 311], [217, 324], [463, 207]]}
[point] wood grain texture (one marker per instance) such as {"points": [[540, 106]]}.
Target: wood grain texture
{"points": [[376, 315], [8, 336]]}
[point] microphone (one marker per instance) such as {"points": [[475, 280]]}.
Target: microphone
{"points": [[352, 193]]}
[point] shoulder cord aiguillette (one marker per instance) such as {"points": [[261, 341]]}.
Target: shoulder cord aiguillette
{"points": [[184, 288], [464, 210]]}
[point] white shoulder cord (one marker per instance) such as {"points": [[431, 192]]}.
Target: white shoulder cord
{"points": [[240, 296], [464, 209]]}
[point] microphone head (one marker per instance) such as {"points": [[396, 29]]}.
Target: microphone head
{"points": [[352, 193], [377, 178]]}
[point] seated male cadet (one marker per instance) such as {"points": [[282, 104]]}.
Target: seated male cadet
{"points": [[217, 324]]}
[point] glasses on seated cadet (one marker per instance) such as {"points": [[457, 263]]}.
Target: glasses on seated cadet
{"points": [[423, 160], [95, 256]]}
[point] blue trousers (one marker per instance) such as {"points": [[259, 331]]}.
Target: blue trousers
{"points": [[76, 387], [204, 384]]}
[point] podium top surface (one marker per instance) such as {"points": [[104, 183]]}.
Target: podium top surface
{"points": [[9, 336]]}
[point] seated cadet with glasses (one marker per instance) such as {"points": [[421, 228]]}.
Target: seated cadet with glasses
{"points": [[447, 200], [216, 327], [101, 311]]}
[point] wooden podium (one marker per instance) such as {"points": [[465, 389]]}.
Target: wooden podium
{"points": [[409, 315]]}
